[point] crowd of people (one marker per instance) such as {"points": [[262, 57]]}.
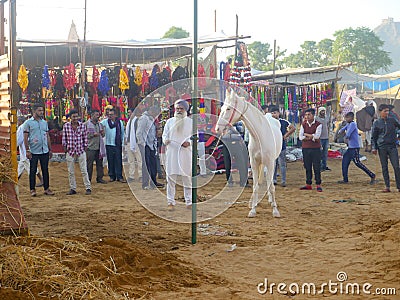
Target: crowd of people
{"points": [[104, 138]]}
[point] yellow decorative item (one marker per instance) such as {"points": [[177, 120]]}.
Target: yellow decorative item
{"points": [[22, 78], [138, 76], [123, 80]]}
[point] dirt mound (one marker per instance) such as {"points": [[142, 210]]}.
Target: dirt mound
{"points": [[78, 268]]}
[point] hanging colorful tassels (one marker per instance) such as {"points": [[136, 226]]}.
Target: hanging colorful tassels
{"points": [[103, 105], [103, 83], [95, 78], [145, 82], [46, 77], [22, 78], [48, 109], [69, 77], [123, 80], [202, 108], [138, 76], [286, 100]]}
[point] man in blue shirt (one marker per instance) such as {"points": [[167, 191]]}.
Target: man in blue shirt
{"points": [[287, 129], [353, 151], [38, 148], [114, 130]]}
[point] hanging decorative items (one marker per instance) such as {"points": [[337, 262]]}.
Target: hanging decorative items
{"points": [[123, 80], [138, 76], [145, 82], [46, 77], [69, 78], [201, 74], [202, 108], [22, 78], [103, 83]]}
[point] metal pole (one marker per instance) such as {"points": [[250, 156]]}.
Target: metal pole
{"points": [[194, 129], [13, 85]]}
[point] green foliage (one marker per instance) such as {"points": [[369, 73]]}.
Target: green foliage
{"points": [[262, 57], [175, 33], [312, 54], [362, 47]]}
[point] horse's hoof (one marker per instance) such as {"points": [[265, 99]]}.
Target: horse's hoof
{"points": [[252, 213], [275, 213]]}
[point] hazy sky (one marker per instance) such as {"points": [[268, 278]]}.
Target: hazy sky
{"points": [[290, 22]]}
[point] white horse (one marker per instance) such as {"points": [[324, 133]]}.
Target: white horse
{"points": [[265, 143]]}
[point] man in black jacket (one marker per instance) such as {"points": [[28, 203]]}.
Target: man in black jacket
{"points": [[384, 142]]}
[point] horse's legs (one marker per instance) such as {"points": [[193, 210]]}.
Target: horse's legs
{"points": [[255, 168], [271, 189]]}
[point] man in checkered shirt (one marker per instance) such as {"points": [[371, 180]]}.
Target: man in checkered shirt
{"points": [[75, 142]]}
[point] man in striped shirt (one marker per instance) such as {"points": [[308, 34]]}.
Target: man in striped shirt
{"points": [[75, 142]]}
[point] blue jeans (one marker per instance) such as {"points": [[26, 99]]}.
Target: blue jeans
{"points": [[324, 153], [281, 162], [385, 153], [353, 154]]}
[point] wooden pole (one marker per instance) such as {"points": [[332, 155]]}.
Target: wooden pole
{"points": [[215, 20], [237, 37], [13, 85], [2, 47], [83, 64]]}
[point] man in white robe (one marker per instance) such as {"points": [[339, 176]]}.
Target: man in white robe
{"points": [[178, 152]]}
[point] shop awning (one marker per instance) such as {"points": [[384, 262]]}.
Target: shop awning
{"points": [[60, 53]]}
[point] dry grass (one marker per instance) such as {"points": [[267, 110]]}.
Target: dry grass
{"points": [[7, 173], [54, 268]]}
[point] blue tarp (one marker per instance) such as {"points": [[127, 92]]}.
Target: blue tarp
{"points": [[381, 85]]}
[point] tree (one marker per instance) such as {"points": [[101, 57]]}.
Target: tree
{"points": [[362, 47], [175, 33], [324, 48], [258, 54], [262, 56]]}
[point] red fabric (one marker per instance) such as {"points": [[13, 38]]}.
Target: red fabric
{"points": [[334, 154], [212, 71], [201, 74], [227, 72], [69, 78], [95, 102], [96, 78]]}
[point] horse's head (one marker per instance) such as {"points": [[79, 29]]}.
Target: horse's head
{"points": [[231, 111]]}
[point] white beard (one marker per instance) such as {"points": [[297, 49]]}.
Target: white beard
{"points": [[179, 121]]}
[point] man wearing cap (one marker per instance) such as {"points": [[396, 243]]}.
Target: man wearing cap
{"points": [[324, 138], [178, 152]]}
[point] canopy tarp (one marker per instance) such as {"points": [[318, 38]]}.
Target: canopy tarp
{"points": [[61, 53], [302, 76], [392, 93]]}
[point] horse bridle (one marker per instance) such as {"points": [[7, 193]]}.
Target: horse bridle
{"points": [[235, 109]]}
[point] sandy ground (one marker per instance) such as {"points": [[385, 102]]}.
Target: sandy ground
{"points": [[316, 238]]}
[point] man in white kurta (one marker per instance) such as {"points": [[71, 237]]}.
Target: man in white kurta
{"points": [[178, 153]]}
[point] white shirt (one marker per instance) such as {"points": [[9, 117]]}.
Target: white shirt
{"points": [[316, 135], [178, 159]]}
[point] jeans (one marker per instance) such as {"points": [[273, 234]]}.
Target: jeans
{"points": [[114, 161], [324, 153], [91, 157], [281, 162], [353, 154], [384, 153], [44, 165], [312, 160], [151, 163]]}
